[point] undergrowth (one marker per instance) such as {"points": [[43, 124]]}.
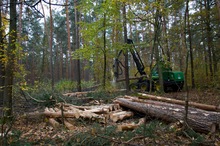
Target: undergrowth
{"points": [[99, 135]]}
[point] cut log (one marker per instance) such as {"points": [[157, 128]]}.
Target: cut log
{"points": [[104, 109], [98, 113], [130, 126], [121, 115], [93, 116], [53, 122], [83, 114], [126, 127], [59, 115], [68, 125], [170, 100], [199, 120], [101, 109]]}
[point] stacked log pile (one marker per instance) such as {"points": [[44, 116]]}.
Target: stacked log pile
{"points": [[63, 113], [201, 118]]}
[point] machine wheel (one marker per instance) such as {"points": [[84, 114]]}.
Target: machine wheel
{"points": [[165, 89], [175, 88], [144, 87], [133, 87]]}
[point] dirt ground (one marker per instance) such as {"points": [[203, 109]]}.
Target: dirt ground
{"points": [[37, 131]]}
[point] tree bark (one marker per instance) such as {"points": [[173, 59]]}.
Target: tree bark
{"points": [[51, 48], [126, 51], [104, 52], [70, 75], [209, 39], [157, 32], [218, 7], [199, 120], [190, 45], [9, 68], [2, 64], [186, 69], [180, 102], [79, 88], [166, 41], [46, 42], [20, 30]]}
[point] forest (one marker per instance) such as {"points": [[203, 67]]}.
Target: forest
{"points": [[72, 54]]}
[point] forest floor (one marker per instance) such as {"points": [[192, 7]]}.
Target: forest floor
{"points": [[26, 131]]}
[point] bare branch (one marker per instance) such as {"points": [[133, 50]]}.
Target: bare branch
{"points": [[55, 4]]}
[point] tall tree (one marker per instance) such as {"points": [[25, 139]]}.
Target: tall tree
{"points": [[51, 47], [157, 32], [209, 38], [77, 46], [186, 85], [20, 29], [218, 7], [190, 45], [44, 64], [2, 66], [10, 64], [126, 51], [69, 67], [104, 50]]}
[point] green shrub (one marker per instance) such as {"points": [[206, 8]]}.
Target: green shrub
{"points": [[197, 138], [87, 84], [65, 86]]}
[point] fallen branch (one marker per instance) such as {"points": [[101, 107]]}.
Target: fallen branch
{"points": [[77, 94], [37, 100]]}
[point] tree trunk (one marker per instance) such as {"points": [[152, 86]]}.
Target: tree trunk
{"points": [[126, 52], [61, 63], [186, 69], [79, 88], [218, 44], [10, 64], [218, 7], [166, 38], [68, 40], [51, 48], [180, 102], [190, 45], [104, 52], [2, 64], [209, 39], [20, 30], [151, 64], [199, 120], [156, 48], [45, 65]]}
